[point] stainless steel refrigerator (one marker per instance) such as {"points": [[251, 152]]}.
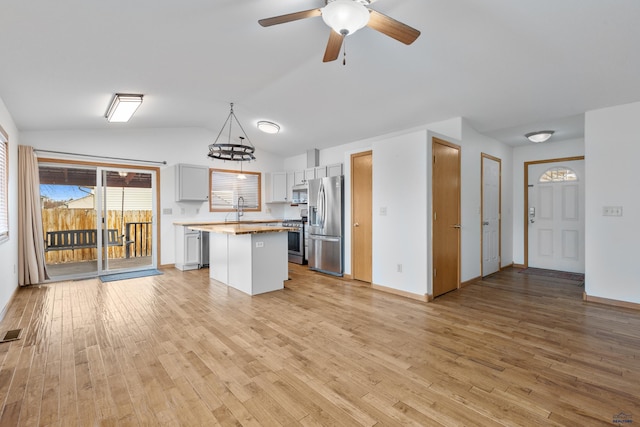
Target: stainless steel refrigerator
{"points": [[326, 225]]}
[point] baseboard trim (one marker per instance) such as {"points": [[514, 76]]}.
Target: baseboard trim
{"points": [[507, 266], [417, 297], [469, 282], [166, 266], [514, 265], [348, 276], [611, 302], [3, 313]]}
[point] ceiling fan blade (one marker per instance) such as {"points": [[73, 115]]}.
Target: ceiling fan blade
{"points": [[392, 28], [267, 22], [333, 46]]}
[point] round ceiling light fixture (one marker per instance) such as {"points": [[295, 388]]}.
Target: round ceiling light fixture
{"points": [[268, 127], [345, 16], [539, 136]]}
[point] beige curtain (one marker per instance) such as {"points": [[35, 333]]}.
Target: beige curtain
{"points": [[31, 266]]}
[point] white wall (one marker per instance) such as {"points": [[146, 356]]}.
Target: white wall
{"points": [[185, 145], [612, 152], [400, 235], [529, 153], [9, 249]]}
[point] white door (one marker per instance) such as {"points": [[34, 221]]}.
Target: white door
{"points": [[490, 215], [556, 216]]}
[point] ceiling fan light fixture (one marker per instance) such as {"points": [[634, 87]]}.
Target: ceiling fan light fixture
{"points": [[539, 136], [268, 127], [345, 16]]}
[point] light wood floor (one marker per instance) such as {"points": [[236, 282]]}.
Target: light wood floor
{"points": [[179, 349]]}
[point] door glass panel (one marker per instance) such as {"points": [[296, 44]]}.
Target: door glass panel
{"points": [[68, 201], [127, 231]]}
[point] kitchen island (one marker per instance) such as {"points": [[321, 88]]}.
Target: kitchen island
{"points": [[250, 258]]}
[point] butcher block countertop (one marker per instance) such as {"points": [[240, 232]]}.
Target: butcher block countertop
{"points": [[251, 221], [244, 228]]}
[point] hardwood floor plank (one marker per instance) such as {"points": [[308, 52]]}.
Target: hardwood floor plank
{"points": [[181, 349]]}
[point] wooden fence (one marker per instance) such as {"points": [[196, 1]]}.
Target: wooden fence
{"points": [[85, 219]]}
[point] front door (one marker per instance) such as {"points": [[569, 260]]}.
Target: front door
{"points": [[555, 215], [361, 215], [490, 214], [446, 216]]}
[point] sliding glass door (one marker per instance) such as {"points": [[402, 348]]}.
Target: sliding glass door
{"points": [[97, 220], [127, 200]]}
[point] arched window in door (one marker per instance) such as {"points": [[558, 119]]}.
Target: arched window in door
{"points": [[558, 174]]}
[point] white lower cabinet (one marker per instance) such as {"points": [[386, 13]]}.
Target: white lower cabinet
{"points": [[187, 248]]}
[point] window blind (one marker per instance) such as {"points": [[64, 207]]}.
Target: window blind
{"points": [[4, 197]]}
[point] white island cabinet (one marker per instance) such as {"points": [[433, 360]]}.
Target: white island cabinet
{"points": [[250, 258]]}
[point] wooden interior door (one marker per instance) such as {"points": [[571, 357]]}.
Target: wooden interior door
{"points": [[361, 215], [446, 216]]}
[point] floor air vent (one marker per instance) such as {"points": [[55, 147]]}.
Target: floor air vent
{"points": [[11, 335]]}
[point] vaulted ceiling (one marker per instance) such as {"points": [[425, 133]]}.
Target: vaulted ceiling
{"points": [[507, 66]]}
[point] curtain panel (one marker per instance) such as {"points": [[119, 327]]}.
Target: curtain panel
{"points": [[31, 265]]}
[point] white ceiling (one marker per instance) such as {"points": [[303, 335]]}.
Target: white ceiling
{"points": [[508, 66]]}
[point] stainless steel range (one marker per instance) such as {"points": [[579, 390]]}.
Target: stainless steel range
{"points": [[296, 240]]}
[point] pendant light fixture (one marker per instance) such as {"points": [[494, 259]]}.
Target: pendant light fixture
{"points": [[229, 150]]}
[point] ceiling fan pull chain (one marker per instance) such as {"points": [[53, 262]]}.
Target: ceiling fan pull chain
{"points": [[344, 51]]}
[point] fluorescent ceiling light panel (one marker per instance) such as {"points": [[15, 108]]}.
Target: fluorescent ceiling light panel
{"points": [[122, 107]]}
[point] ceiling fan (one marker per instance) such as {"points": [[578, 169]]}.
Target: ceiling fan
{"points": [[345, 17]]}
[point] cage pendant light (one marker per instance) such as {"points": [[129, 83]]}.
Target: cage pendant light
{"points": [[235, 151]]}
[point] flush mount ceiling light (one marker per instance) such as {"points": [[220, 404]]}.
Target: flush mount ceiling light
{"points": [[539, 136], [268, 127], [229, 150], [122, 107]]}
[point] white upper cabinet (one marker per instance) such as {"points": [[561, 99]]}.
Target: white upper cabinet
{"points": [[192, 183], [309, 173], [277, 189], [320, 171], [334, 170]]}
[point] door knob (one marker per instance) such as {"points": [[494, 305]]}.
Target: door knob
{"points": [[355, 224], [457, 226], [485, 223]]}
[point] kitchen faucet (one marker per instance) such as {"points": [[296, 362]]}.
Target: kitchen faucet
{"points": [[239, 207]]}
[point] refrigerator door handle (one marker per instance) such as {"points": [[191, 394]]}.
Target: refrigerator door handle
{"points": [[322, 205], [324, 238]]}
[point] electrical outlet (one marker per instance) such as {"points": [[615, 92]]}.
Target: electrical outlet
{"points": [[259, 244], [399, 268], [197, 211], [167, 211]]}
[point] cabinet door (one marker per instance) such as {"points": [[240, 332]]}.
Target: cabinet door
{"points": [[309, 173], [192, 249], [192, 183], [334, 170], [298, 178], [277, 187]]}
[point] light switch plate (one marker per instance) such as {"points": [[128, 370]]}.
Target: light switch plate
{"points": [[612, 211]]}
